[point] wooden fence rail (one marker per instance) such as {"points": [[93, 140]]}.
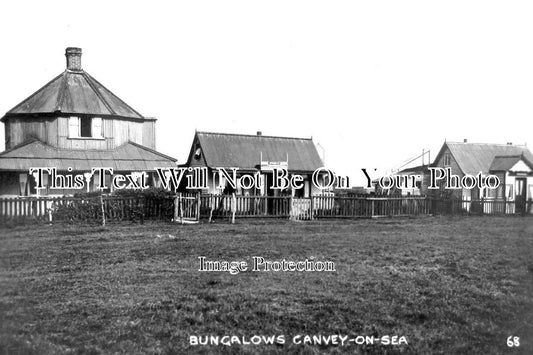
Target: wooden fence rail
{"points": [[193, 206], [481, 207], [365, 207], [72, 209], [223, 206]]}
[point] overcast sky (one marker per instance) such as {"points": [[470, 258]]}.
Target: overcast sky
{"points": [[374, 82]]}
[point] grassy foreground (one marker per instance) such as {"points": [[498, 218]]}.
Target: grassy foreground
{"points": [[449, 285]]}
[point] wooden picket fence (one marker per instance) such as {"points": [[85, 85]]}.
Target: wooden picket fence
{"points": [[481, 207], [191, 207], [101, 209], [227, 206], [368, 207]]}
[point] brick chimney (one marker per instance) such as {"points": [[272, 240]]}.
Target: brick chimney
{"points": [[73, 55]]}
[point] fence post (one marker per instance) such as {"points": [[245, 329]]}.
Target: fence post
{"points": [[49, 211], [181, 207], [290, 208], [504, 202], [233, 207], [176, 208], [102, 208], [312, 207], [198, 201], [212, 203], [142, 209]]}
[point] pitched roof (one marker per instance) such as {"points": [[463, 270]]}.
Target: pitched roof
{"points": [[75, 92], [127, 157], [504, 163], [246, 151], [473, 158]]}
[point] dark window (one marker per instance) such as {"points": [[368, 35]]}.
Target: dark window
{"points": [[32, 184], [85, 130], [198, 153]]}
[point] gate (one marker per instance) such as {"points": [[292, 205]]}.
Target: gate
{"points": [[301, 209], [187, 208]]}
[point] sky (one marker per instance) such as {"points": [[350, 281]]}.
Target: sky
{"points": [[374, 83]]}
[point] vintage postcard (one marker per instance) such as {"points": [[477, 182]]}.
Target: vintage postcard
{"points": [[266, 177]]}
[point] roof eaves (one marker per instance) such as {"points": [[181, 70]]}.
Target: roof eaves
{"points": [[509, 156], [67, 113], [18, 146], [151, 151], [31, 96]]}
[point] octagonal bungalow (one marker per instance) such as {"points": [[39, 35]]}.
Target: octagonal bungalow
{"points": [[74, 124]]}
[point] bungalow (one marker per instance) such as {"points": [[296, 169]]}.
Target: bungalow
{"points": [[255, 155], [74, 124], [512, 164]]}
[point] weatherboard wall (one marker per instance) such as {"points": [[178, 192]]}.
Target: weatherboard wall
{"points": [[456, 170], [20, 130], [54, 131]]}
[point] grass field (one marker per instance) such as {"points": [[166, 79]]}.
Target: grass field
{"points": [[449, 285]]}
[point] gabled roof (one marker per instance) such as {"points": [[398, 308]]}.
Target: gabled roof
{"points": [[74, 92], [505, 163], [127, 157], [473, 158], [246, 151]]}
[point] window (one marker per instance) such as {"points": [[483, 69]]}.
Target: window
{"points": [[447, 159], [198, 153], [85, 127], [488, 192], [74, 127], [23, 180]]}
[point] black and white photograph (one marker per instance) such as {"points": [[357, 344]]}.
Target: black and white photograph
{"points": [[266, 177]]}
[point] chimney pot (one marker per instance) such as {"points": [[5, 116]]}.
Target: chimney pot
{"points": [[259, 133], [465, 140], [73, 55]]}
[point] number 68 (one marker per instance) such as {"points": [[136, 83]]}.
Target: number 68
{"points": [[513, 341]]}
